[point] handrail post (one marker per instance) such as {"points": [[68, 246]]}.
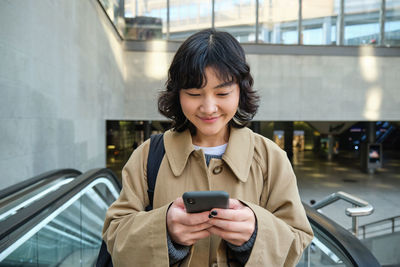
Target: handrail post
{"points": [[355, 225], [393, 225], [363, 227], [360, 207]]}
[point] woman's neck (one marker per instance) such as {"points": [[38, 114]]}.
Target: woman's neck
{"points": [[211, 141]]}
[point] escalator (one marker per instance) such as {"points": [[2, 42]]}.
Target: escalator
{"points": [[386, 133], [62, 227]]}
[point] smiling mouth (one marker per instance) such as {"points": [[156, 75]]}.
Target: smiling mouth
{"points": [[208, 119]]}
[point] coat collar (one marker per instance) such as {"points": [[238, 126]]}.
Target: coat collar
{"points": [[238, 155]]}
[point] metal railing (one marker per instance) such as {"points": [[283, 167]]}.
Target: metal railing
{"points": [[334, 245], [360, 207], [381, 227]]}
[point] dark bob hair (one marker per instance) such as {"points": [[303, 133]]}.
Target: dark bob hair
{"points": [[222, 52]]}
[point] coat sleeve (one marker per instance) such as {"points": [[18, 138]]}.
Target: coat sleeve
{"points": [[283, 228], [135, 237]]}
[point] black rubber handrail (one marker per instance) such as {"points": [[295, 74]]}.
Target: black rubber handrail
{"points": [[28, 218], [54, 174], [351, 246]]}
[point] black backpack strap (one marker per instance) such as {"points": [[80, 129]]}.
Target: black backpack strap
{"points": [[104, 258], [156, 154]]}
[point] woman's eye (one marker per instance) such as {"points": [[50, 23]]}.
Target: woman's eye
{"points": [[191, 94], [223, 94]]}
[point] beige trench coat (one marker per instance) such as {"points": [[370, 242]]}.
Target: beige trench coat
{"points": [[254, 170]]}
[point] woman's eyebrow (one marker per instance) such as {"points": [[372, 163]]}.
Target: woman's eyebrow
{"points": [[224, 84]]}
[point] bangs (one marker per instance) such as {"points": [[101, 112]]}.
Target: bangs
{"points": [[193, 76]]}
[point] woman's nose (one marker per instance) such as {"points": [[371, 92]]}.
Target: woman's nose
{"points": [[208, 106]]}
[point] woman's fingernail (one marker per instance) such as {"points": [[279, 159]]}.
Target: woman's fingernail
{"points": [[210, 216], [214, 213]]}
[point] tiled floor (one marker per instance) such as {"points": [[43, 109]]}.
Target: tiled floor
{"points": [[317, 177]]}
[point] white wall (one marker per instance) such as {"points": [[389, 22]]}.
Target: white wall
{"points": [[292, 87], [146, 76], [61, 75], [327, 88]]}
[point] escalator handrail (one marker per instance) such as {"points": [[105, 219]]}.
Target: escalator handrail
{"points": [[351, 246], [51, 202], [54, 174]]}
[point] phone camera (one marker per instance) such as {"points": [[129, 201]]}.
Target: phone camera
{"points": [[191, 201]]}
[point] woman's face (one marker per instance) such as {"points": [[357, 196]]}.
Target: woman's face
{"points": [[210, 109]]}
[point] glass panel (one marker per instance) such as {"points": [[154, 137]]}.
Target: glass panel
{"points": [[317, 254], [145, 20], [188, 17], [236, 17], [71, 238], [361, 22], [319, 22], [26, 255], [60, 238], [115, 12], [322, 252], [392, 23], [278, 21]]}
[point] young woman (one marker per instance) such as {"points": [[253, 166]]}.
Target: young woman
{"points": [[209, 98]]}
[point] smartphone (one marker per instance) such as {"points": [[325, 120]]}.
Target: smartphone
{"points": [[199, 201]]}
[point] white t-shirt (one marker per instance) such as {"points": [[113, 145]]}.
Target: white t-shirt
{"points": [[213, 150]]}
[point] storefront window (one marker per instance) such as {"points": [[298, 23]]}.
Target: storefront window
{"points": [[392, 23], [115, 12], [278, 21], [361, 22], [145, 20], [237, 17], [319, 22], [188, 17]]}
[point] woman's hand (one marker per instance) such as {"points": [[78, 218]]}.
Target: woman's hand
{"points": [[235, 224], [186, 228]]}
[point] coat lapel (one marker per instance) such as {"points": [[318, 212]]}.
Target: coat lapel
{"points": [[178, 147], [239, 153]]}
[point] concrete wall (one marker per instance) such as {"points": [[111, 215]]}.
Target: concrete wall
{"points": [[61, 75], [292, 87], [327, 88], [146, 76]]}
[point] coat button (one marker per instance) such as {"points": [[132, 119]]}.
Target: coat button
{"points": [[217, 170]]}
